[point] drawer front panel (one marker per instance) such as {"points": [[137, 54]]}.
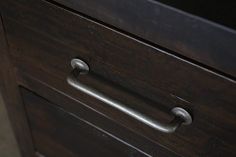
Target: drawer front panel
{"points": [[91, 116], [188, 35], [44, 38], [57, 132]]}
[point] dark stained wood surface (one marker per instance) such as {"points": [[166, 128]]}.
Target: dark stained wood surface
{"points": [[217, 129], [60, 133], [188, 141], [44, 38], [12, 99], [104, 121], [197, 39]]}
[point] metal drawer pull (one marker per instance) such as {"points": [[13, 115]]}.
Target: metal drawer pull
{"points": [[182, 117]]}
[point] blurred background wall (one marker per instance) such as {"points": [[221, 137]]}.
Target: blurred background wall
{"points": [[8, 146]]}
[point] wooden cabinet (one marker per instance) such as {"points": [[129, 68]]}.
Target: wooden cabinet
{"points": [[140, 69]]}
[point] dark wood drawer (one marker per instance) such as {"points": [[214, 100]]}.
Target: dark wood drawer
{"points": [[195, 38], [61, 133], [43, 38]]}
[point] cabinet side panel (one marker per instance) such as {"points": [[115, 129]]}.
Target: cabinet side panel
{"points": [[12, 99]]}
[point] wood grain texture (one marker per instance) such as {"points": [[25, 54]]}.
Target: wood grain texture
{"points": [[103, 117], [68, 132], [197, 39], [48, 60], [202, 137], [44, 38], [12, 99], [61, 133]]}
